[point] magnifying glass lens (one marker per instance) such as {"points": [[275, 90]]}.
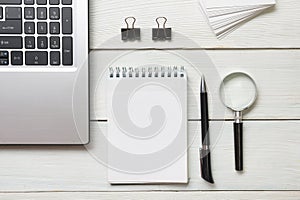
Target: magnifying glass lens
{"points": [[238, 91]]}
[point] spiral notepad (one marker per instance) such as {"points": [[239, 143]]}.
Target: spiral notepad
{"points": [[147, 125]]}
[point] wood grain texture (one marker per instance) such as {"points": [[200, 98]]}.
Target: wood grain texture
{"points": [[278, 27], [271, 163], [275, 72], [153, 195]]}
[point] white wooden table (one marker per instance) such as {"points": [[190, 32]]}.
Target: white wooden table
{"points": [[268, 48]]}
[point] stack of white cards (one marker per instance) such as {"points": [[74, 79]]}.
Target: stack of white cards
{"points": [[224, 16]]}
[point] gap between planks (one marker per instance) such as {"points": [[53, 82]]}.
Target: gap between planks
{"points": [[219, 120], [152, 191], [195, 49]]}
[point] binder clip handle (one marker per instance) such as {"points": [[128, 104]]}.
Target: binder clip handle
{"points": [[161, 33], [133, 23], [164, 24], [130, 33]]}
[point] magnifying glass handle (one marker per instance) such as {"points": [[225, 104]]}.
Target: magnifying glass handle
{"points": [[238, 145]]}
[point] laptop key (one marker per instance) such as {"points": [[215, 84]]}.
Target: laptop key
{"points": [[41, 2], [11, 27], [1, 12], [54, 28], [4, 58], [4, 61], [55, 42], [29, 27], [3, 54], [11, 2], [42, 28], [54, 2], [13, 13], [29, 2], [11, 42], [67, 50], [54, 58], [42, 42], [17, 58], [42, 13], [54, 13], [67, 2], [36, 58], [67, 27], [30, 42], [29, 13]]}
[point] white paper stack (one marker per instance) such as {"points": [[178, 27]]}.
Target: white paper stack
{"points": [[224, 16]]}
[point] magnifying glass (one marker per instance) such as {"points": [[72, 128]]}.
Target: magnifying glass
{"points": [[238, 92]]}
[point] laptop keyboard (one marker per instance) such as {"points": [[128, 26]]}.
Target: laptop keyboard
{"points": [[36, 33]]}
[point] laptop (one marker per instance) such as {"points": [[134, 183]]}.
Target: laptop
{"points": [[44, 72]]}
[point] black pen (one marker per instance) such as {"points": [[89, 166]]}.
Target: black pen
{"points": [[205, 161]]}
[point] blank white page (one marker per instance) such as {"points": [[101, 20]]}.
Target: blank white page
{"points": [[234, 3], [147, 128], [234, 16]]}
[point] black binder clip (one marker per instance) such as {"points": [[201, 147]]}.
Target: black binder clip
{"points": [[161, 33], [131, 34]]}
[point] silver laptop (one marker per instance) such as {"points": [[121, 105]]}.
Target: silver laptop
{"points": [[44, 72]]}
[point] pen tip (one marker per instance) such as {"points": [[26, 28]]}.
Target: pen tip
{"points": [[202, 77], [203, 84]]}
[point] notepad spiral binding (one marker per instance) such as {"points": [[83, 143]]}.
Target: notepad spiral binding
{"points": [[147, 72]]}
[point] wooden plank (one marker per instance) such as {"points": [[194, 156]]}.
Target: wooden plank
{"points": [[271, 162], [278, 27], [152, 195], [276, 73]]}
